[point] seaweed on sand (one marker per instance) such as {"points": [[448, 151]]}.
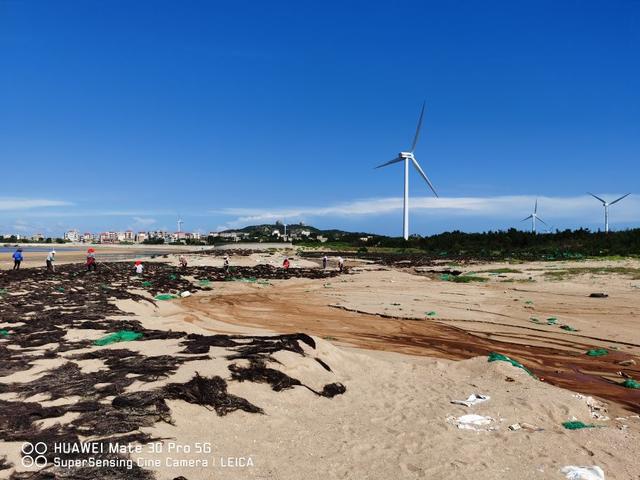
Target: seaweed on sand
{"points": [[258, 372], [210, 392], [40, 309]]}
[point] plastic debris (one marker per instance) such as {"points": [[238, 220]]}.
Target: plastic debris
{"points": [[146, 284], [430, 314], [598, 295], [568, 328], [185, 294], [597, 352], [631, 383], [4, 333], [473, 399], [627, 363], [551, 320], [514, 427], [583, 473], [165, 296], [121, 336], [493, 356], [204, 282], [471, 421], [576, 425]]}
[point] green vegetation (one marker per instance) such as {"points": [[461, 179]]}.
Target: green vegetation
{"points": [[500, 270], [461, 278], [563, 274]]}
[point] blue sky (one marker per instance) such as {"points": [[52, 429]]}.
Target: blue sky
{"points": [[125, 114]]}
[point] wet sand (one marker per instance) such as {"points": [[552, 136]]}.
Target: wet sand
{"points": [[358, 311]]}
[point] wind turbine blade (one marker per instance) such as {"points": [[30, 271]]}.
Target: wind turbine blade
{"points": [[615, 201], [530, 216], [424, 175], [541, 220], [415, 138], [535, 210], [395, 160], [595, 196]]}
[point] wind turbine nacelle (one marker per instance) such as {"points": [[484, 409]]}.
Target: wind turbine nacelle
{"points": [[408, 155]]}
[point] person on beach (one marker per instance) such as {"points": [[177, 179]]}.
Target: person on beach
{"points": [[325, 260], [91, 260], [226, 263], [139, 267], [285, 264], [50, 259], [17, 259], [183, 261], [340, 264]]}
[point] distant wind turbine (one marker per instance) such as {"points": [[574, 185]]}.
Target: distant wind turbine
{"points": [[180, 222], [534, 216], [407, 157], [606, 206]]}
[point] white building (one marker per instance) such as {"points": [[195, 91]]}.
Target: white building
{"points": [[72, 236]]}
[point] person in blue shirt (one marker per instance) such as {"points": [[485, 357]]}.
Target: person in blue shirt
{"points": [[17, 259]]}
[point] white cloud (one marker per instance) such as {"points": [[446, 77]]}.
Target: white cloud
{"points": [[144, 221], [9, 204], [580, 208]]}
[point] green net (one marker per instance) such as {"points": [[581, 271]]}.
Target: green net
{"points": [[430, 314], [568, 328], [165, 296], [146, 284], [446, 277], [576, 425], [493, 357], [4, 333], [597, 352], [120, 336], [172, 277], [204, 283], [551, 320], [60, 289], [630, 383]]}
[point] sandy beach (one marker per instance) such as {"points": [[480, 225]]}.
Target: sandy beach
{"points": [[266, 374]]}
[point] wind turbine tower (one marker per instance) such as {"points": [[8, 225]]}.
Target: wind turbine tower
{"points": [[180, 222], [534, 216], [606, 206], [408, 157]]}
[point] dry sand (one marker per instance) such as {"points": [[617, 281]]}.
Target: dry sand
{"points": [[395, 419]]}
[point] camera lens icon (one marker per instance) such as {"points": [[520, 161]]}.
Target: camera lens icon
{"points": [[33, 454]]}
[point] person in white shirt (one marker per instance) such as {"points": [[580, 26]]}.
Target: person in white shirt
{"points": [[139, 267], [50, 259]]}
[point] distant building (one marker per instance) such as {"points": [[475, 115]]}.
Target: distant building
{"points": [[38, 237], [141, 237], [87, 237], [72, 236], [108, 237]]}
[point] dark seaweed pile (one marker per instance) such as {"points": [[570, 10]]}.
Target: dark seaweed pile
{"points": [[36, 310]]}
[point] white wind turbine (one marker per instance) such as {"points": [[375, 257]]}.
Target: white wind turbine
{"points": [[180, 222], [606, 206], [407, 157], [534, 216]]}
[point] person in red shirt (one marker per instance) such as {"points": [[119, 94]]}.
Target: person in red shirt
{"points": [[285, 264], [91, 260]]}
